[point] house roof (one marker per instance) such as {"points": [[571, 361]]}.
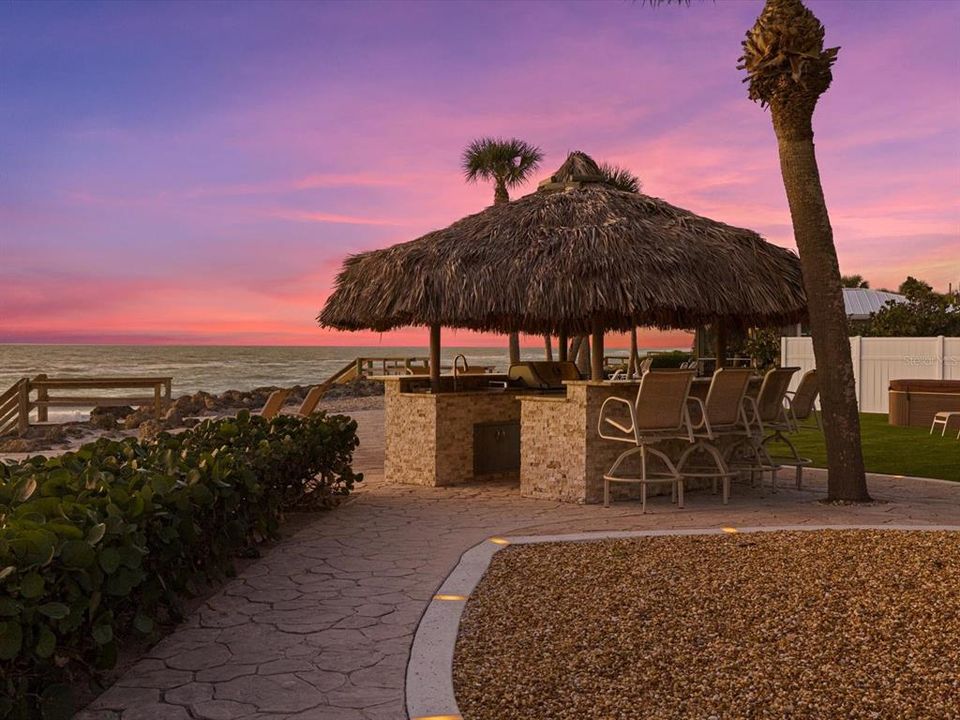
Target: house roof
{"points": [[861, 302]]}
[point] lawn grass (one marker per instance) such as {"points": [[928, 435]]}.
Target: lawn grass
{"points": [[892, 450]]}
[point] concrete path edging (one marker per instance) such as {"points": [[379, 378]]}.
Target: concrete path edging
{"points": [[429, 677]]}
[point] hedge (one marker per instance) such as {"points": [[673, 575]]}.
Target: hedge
{"points": [[105, 542]]}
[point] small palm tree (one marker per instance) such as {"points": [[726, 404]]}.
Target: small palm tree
{"points": [[854, 281], [508, 163]]}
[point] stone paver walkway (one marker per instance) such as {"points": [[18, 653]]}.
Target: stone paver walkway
{"points": [[321, 627]]}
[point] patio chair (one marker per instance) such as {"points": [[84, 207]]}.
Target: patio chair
{"points": [[623, 375], [768, 413], [271, 408], [659, 413], [802, 403], [723, 413], [312, 399], [942, 419], [798, 406]]}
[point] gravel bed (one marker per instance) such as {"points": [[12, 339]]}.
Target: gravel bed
{"points": [[818, 624]]}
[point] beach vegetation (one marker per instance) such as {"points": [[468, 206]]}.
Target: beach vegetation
{"points": [[106, 542]]}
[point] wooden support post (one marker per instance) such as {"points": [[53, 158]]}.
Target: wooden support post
{"points": [[23, 414], [42, 395], [634, 355], [435, 359], [582, 355], [514, 345], [547, 348], [562, 346], [721, 343], [157, 403], [596, 353]]}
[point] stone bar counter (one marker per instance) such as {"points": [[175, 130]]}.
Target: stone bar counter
{"points": [[469, 431], [562, 456]]}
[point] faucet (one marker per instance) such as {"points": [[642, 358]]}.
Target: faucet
{"points": [[456, 373]]}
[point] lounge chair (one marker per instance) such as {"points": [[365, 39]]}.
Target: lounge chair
{"points": [[544, 374], [659, 413], [312, 399], [943, 419], [723, 413], [275, 401]]}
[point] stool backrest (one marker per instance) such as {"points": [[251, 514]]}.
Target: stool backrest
{"points": [[725, 396], [805, 396], [662, 398], [773, 391]]}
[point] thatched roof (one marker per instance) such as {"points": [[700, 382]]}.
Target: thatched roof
{"points": [[574, 252]]}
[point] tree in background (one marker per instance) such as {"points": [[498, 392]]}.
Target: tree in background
{"points": [[762, 346], [911, 288], [508, 163], [923, 313], [854, 281]]}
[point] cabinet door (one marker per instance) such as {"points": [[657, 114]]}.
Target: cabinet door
{"points": [[496, 447]]}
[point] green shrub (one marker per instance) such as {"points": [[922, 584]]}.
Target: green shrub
{"points": [[104, 542], [670, 360]]}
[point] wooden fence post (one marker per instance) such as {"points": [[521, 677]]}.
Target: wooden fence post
{"points": [[23, 398], [42, 396]]}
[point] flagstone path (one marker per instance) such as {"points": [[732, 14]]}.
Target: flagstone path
{"points": [[321, 627]]}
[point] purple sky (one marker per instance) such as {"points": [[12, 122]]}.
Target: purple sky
{"points": [[196, 172]]}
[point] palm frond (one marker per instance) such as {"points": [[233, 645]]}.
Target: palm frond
{"points": [[510, 161], [620, 178]]}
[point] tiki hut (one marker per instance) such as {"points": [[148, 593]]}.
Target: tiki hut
{"points": [[576, 257]]}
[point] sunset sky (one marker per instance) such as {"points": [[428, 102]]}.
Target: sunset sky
{"points": [[196, 172]]}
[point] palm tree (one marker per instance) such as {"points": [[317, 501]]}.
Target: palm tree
{"points": [[788, 69], [508, 163], [854, 281]]}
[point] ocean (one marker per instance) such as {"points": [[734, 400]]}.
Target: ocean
{"points": [[214, 368]]}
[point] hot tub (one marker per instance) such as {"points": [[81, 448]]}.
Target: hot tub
{"points": [[915, 402]]}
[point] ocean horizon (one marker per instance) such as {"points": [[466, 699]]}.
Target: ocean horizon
{"points": [[218, 368]]}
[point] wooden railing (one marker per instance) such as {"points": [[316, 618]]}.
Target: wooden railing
{"points": [[16, 403]]}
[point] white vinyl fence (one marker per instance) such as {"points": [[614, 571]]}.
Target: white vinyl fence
{"points": [[878, 360]]}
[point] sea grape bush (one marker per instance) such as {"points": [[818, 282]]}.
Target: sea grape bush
{"points": [[105, 542]]}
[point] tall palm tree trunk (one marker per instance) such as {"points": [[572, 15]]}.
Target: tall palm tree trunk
{"points": [[793, 126], [500, 195]]}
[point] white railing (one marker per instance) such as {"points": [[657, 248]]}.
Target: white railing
{"points": [[878, 360]]}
